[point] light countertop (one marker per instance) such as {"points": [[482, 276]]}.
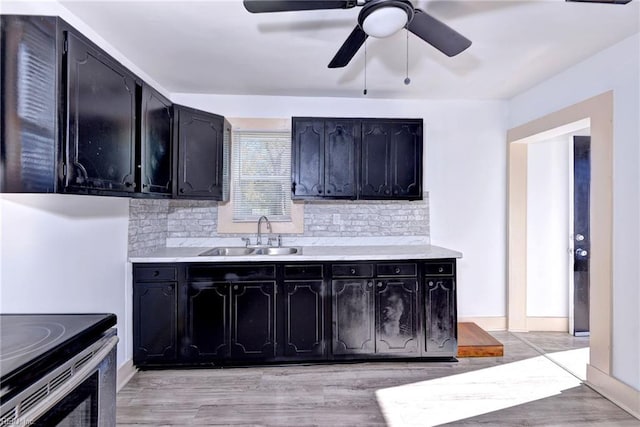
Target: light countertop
{"points": [[309, 253]]}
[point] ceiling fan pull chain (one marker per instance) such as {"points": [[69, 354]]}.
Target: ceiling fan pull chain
{"points": [[407, 80], [365, 68]]}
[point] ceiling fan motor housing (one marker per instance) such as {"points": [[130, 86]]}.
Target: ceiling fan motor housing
{"points": [[382, 18]]}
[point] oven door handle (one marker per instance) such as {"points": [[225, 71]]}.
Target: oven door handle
{"points": [[78, 377]]}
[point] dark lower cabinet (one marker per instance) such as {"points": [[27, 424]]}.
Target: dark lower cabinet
{"points": [[207, 326], [353, 316], [304, 319], [397, 322], [229, 320], [253, 320], [155, 320], [225, 314], [441, 335]]}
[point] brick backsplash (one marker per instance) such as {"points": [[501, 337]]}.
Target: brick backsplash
{"points": [[147, 225], [151, 222]]}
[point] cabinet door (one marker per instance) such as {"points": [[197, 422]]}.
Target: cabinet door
{"points": [[304, 318], [391, 162], [207, 325], [406, 160], [155, 143], [441, 320], [101, 128], [253, 320], [28, 104], [339, 158], [376, 159], [308, 158], [155, 322], [397, 316], [200, 154], [353, 317]]}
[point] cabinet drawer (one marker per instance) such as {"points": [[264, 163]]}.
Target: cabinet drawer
{"points": [[231, 273], [408, 269], [303, 271], [352, 270], [155, 274], [444, 268]]}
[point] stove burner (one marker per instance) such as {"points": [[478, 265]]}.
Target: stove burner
{"points": [[27, 338]]}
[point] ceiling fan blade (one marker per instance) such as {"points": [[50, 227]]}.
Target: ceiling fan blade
{"points": [[602, 1], [438, 34], [265, 6], [349, 48]]}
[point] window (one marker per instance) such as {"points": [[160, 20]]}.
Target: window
{"points": [[260, 181], [261, 175]]}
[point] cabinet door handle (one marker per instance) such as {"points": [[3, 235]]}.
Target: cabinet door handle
{"points": [[370, 284], [397, 270], [440, 270], [379, 284], [235, 287]]}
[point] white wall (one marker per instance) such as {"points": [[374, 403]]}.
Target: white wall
{"points": [[548, 228], [465, 175], [617, 69], [66, 254]]}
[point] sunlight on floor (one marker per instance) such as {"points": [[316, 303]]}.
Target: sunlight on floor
{"points": [[448, 399], [574, 361]]}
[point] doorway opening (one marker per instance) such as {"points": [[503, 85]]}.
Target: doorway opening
{"points": [[597, 114]]}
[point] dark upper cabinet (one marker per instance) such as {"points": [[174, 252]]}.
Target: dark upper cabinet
{"points": [[200, 154], [323, 153], [101, 121], [29, 92], [441, 335], [391, 159], [155, 155], [374, 159], [155, 305]]}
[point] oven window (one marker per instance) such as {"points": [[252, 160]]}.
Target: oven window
{"points": [[78, 409]]}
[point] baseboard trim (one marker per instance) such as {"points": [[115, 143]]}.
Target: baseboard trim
{"points": [[615, 390], [548, 324], [126, 371], [487, 323]]}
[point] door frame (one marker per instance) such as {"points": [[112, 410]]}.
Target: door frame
{"points": [[596, 113]]}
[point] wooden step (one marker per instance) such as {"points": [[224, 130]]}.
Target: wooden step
{"points": [[473, 341]]}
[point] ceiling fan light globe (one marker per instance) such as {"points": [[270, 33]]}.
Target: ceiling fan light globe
{"points": [[385, 21]]}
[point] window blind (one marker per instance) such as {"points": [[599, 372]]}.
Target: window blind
{"points": [[261, 175]]}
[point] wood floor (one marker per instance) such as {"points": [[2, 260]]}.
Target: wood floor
{"points": [[473, 341], [523, 388]]}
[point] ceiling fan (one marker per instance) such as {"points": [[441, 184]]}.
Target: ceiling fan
{"points": [[378, 18]]}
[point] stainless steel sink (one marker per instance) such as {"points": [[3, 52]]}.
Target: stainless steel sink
{"points": [[228, 251], [244, 251], [278, 251]]}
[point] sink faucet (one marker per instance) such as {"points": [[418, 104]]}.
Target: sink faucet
{"points": [[259, 238]]}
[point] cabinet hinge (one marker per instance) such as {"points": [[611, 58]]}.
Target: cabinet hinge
{"points": [[65, 47], [64, 170]]}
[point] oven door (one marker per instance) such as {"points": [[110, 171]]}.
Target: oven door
{"points": [[79, 393]]}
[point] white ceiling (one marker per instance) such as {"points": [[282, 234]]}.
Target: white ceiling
{"points": [[218, 47]]}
